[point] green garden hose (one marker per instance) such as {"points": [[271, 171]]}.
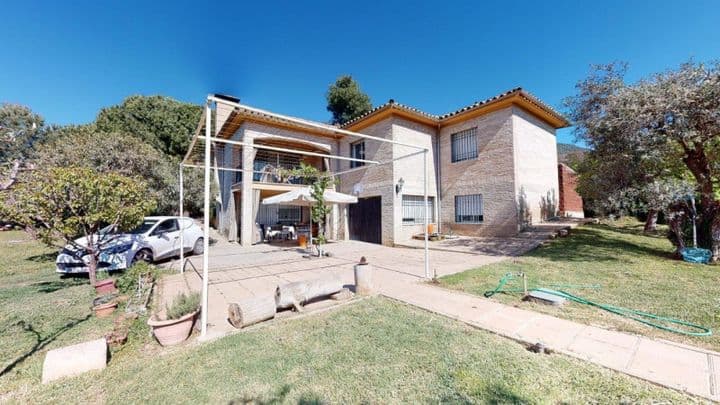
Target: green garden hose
{"points": [[638, 316]]}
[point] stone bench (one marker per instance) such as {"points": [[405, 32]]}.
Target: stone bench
{"points": [[74, 360]]}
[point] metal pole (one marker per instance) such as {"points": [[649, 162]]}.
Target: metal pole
{"points": [[311, 124], [427, 213], [206, 223], [181, 221], [694, 215]]}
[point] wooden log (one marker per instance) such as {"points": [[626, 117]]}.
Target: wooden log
{"points": [[294, 295], [251, 311]]}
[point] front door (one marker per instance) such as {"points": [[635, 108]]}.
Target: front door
{"points": [[365, 220]]}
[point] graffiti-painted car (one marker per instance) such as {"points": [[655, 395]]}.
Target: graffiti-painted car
{"points": [[155, 239]]}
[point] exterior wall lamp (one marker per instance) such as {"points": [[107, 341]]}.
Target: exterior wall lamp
{"points": [[399, 186]]}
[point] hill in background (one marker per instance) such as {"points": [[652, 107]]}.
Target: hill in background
{"points": [[569, 153]]}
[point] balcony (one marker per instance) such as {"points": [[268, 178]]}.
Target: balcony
{"points": [[271, 168]]}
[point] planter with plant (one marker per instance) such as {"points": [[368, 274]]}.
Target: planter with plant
{"points": [[318, 182], [179, 320], [105, 305], [104, 284]]}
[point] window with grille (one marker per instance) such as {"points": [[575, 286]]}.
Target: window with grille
{"points": [[357, 151], [266, 158], [464, 145], [413, 208], [289, 213], [469, 209]]}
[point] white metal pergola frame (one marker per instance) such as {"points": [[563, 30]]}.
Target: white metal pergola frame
{"points": [[208, 138]]}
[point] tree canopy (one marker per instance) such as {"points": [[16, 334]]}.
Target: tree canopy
{"points": [[163, 122], [346, 101], [662, 128], [62, 204], [20, 129]]}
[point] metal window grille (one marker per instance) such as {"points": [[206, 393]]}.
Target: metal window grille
{"points": [[414, 209], [277, 160], [469, 209], [464, 145], [289, 213], [357, 151]]}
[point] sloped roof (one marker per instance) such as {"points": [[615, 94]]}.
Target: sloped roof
{"points": [[525, 97]]}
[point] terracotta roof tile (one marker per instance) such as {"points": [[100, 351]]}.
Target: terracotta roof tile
{"points": [[439, 118]]}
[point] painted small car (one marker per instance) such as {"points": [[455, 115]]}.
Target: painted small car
{"points": [[157, 238]]}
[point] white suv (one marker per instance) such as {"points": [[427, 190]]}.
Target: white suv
{"points": [[155, 239]]}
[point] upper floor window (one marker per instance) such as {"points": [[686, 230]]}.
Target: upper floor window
{"points": [[469, 209], [357, 151], [464, 145], [413, 207]]}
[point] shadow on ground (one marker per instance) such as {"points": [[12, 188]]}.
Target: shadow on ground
{"points": [[592, 244], [278, 398], [40, 341], [55, 285]]}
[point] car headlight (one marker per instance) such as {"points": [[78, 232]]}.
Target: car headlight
{"points": [[119, 248]]}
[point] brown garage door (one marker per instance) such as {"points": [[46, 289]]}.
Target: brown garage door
{"points": [[364, 219]]}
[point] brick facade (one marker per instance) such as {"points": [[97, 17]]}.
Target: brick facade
{"points": [[515, 172], [571, 204]]}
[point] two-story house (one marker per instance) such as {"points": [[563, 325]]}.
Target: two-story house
{"points": [[492, 172]]}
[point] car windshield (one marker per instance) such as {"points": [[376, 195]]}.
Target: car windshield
{"points": [[110, 229], [145, 226]]}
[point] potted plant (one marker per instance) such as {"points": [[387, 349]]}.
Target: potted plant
{"points": [[104, 285], [104, 306], [179, 320]]}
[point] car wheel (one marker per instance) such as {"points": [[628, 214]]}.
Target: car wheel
{"points": [[199, 247], [143, 255]]}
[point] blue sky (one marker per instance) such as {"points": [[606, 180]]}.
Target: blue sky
{"points": [[66, 60]]}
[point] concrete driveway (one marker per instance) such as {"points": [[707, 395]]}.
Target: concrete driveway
{"points": [[240, 272]]}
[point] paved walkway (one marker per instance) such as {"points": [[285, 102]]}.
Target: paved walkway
{"points": [[685, 368], [238, 273]]}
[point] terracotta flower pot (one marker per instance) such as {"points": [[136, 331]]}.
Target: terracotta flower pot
{"points": [[105, 310], [174, 331], [106, 286]]}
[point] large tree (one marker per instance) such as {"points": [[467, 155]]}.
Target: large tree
{"points": [[64, 204], [115, 152], [663, 127], [163, 122], [346, 101], [20, 129]]}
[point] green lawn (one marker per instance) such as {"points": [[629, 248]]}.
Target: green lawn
{"points": [[375, 350], [634, 271]]}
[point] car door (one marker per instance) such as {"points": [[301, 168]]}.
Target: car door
{"points": [[164, 239]]}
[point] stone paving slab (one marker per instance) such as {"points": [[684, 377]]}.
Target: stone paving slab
{"points": [[683, 368], [74, 360], [398, 275]]}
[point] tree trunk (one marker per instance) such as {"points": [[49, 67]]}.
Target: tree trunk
{"points": [[715, 237], [294, 295], [651, 221], [251, 311], [92, 269]]}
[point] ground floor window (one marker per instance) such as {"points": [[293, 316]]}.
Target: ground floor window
{"points": [[414, 209], [469, 209], [289, 213]]}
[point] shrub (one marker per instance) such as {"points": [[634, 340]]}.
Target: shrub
{"points": [[128, 282], [182, 305]]}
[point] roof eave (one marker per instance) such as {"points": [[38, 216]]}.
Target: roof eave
{"points": [[386, 111], [519, 98]]}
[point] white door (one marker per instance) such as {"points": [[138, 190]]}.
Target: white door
{"points": [[165, 239]]}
